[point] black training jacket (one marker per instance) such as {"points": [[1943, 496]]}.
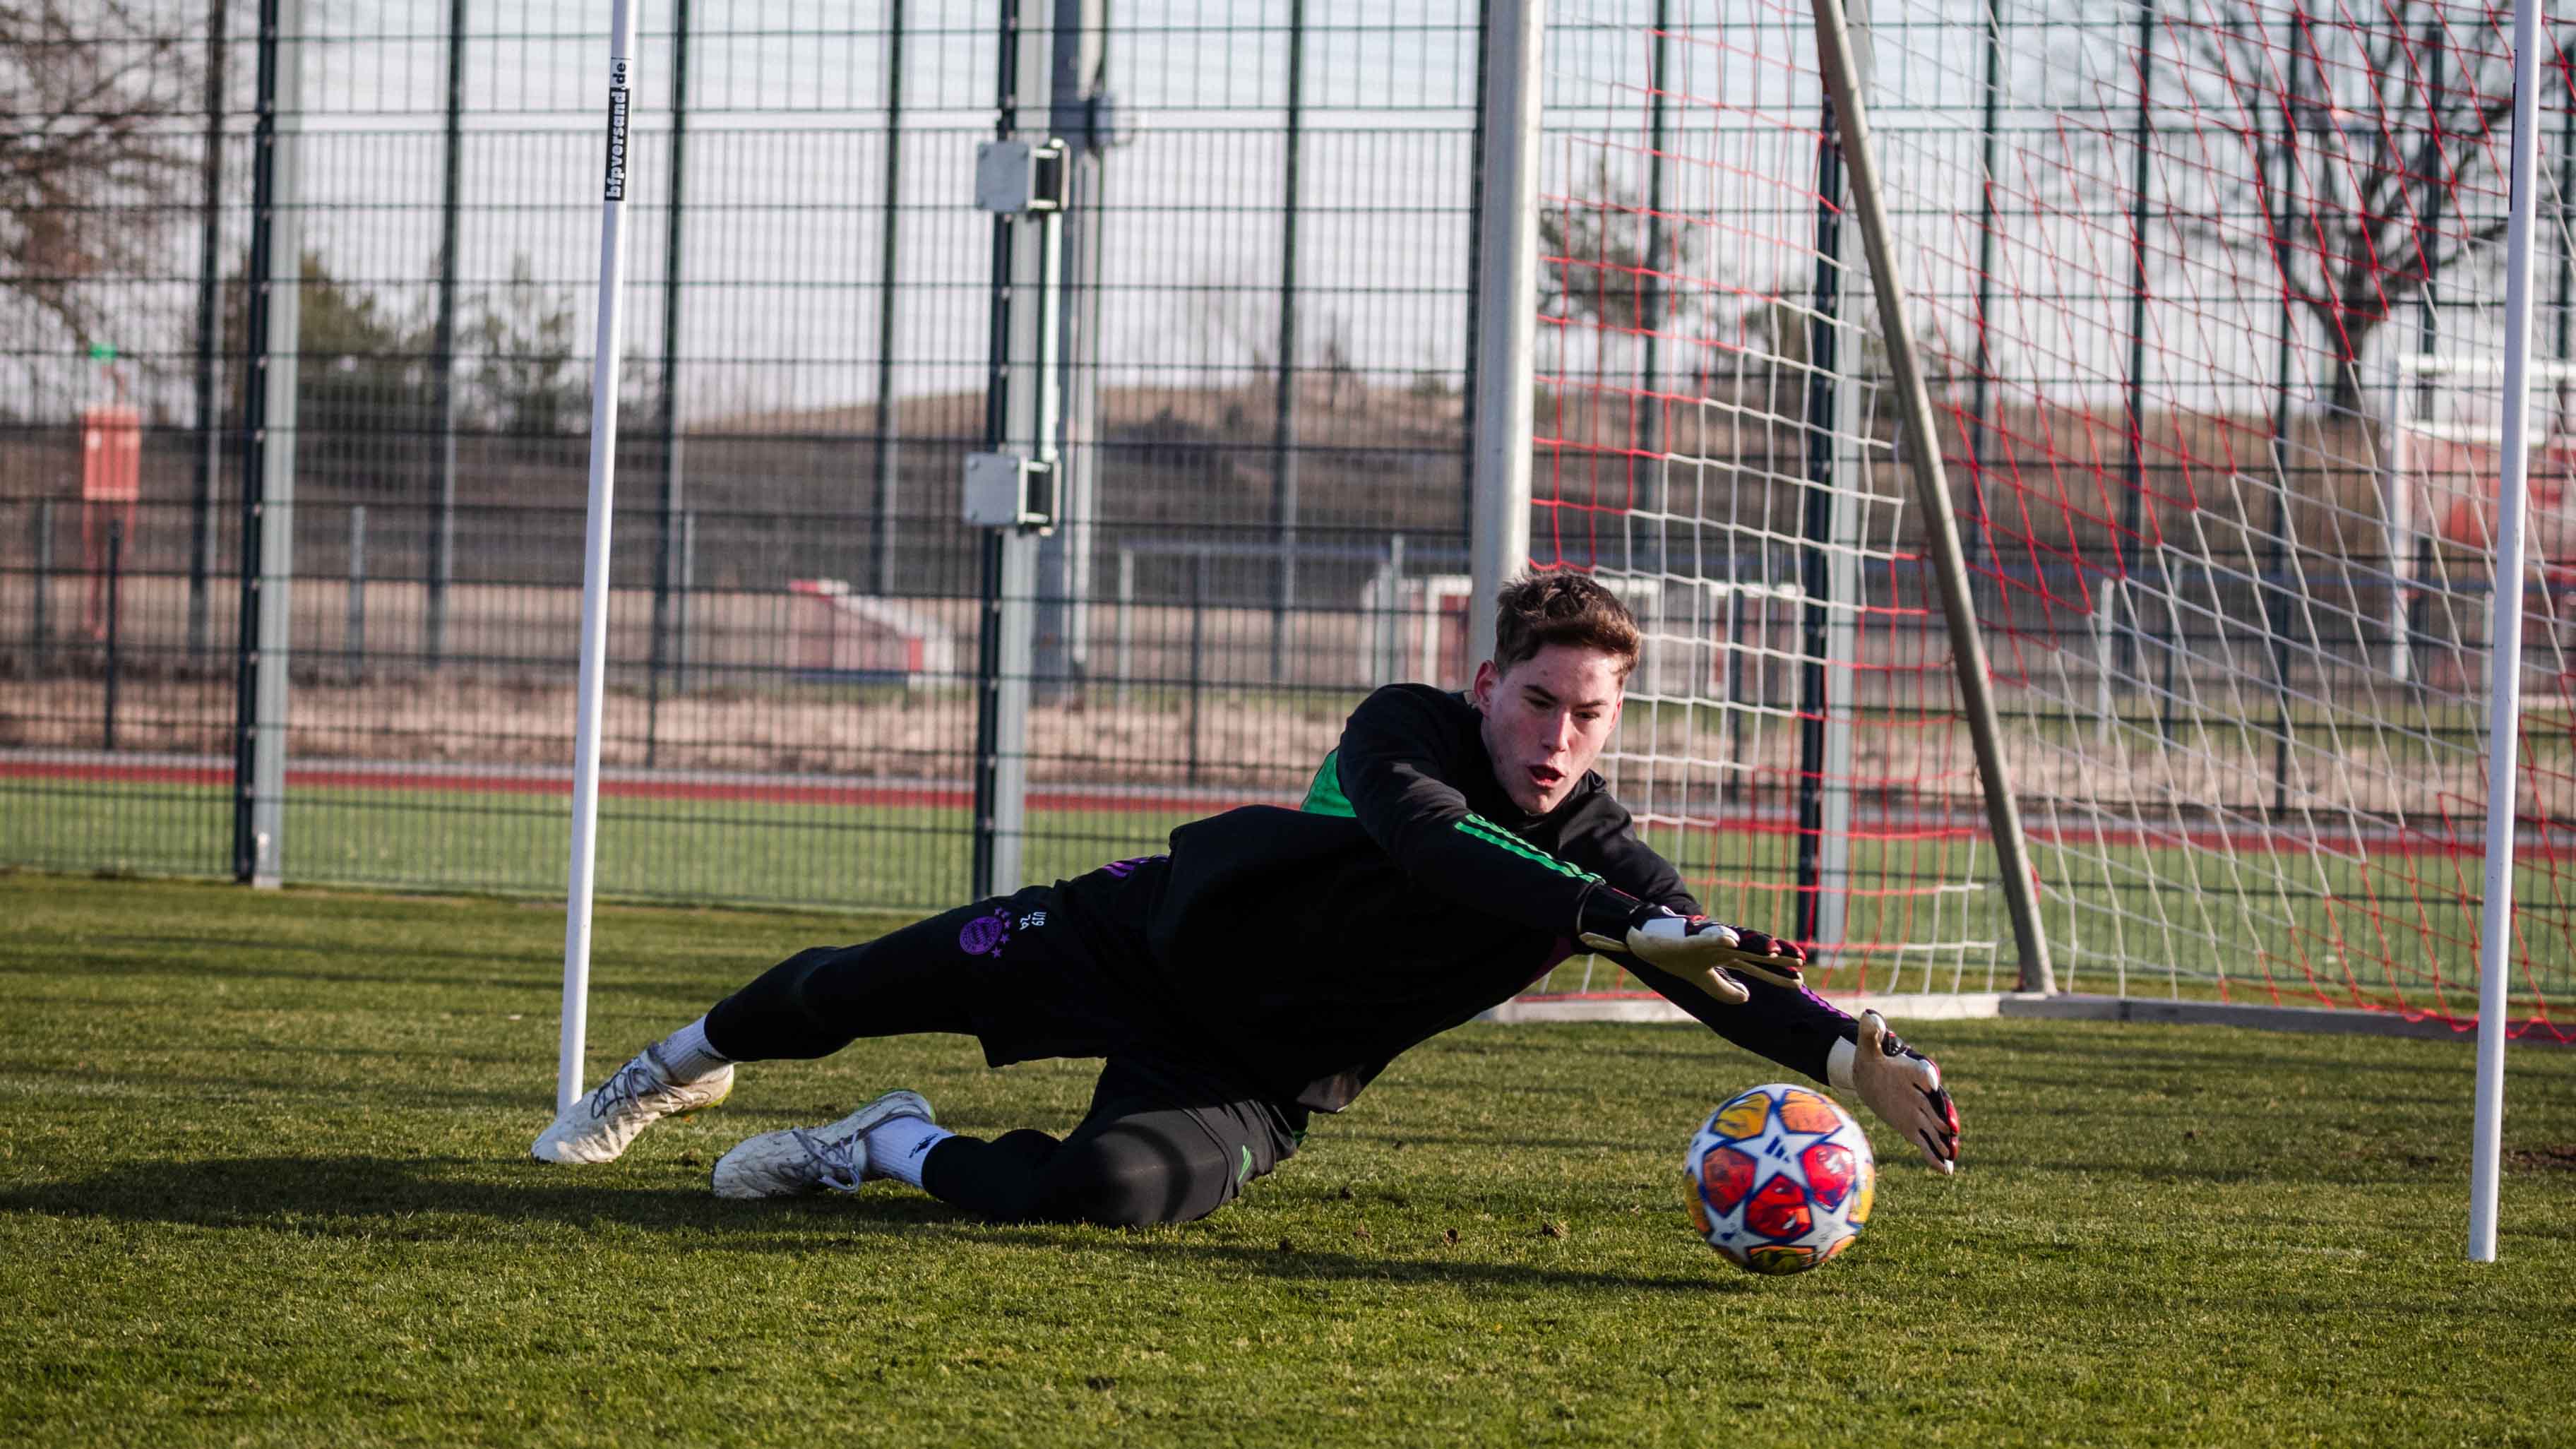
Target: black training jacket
{"points": [[1407, 895]]}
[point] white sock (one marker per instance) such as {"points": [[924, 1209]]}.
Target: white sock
{"points": [[899, 1145], [685, 1055]]}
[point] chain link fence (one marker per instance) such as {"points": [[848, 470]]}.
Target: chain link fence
{"points": [[1275, 437], [1269, 425]]}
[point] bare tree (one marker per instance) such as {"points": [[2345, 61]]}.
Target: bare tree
{"points": [[1598, 266], [527, 379], [1607, 271], [93, 165], [2371, 141]]}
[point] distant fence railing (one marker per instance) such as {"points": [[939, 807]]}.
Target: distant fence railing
{"points": [[783, 697]]}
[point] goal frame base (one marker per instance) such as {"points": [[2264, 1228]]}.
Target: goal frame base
{"points": [[2061, 1006]]}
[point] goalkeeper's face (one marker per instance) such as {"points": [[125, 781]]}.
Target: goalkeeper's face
{"points": [[1546, 720]]}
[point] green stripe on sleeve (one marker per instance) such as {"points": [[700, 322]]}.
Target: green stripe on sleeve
{"points": [[1324, 794], [1477, 827]]}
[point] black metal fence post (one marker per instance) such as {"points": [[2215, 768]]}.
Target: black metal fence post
{"points": [[1731, 784], [442, 528], [1123, 627], [2270, 582], [256, 346], [1081, 116], [2133, 389], [881, 554], [1198, 654], [115, 628], [688, 589], [1283, 436], [353, 629], [2166, 689], [40, 629], [1651, 307], [1815, 569], [2409, 617], [1392, 623], [210, 323], [1475, 279], [668, 423], [1981, 372], [1007, 560]]}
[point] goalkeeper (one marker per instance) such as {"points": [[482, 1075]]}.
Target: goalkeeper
{"points": [[1449, 853]]}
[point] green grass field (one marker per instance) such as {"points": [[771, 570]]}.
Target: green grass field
{"points": [[262, 1182]]}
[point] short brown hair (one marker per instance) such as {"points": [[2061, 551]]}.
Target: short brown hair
{"points": [[1559, 606]]}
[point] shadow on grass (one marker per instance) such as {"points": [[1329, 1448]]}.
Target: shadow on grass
{"points": [[248, 959], [385, 971], [387, 980], [433, 1200]]}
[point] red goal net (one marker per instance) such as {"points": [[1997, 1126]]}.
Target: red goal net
{"points": [[2167, 264]]}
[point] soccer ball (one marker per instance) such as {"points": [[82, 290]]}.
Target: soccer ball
{"points": [[1780, 1179]]}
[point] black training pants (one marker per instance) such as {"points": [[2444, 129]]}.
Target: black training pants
{"points": [[1171, 1135]]}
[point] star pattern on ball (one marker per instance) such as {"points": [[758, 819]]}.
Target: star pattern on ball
{"points": [[1779, 1150]]}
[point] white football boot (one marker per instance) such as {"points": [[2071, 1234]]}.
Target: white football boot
{"points": [[812, 1159], [598, 1127]]}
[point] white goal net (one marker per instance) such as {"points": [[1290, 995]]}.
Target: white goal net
{"points": [[2207, 295]]}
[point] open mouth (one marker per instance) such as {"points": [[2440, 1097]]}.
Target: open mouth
{"points": [[1546, 777]]}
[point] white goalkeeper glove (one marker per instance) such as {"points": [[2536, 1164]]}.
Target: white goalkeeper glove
{"points": [[1902, 1086], [1703, 951]]}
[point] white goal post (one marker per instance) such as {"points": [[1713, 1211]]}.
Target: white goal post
{"points": [[608, 349]]}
